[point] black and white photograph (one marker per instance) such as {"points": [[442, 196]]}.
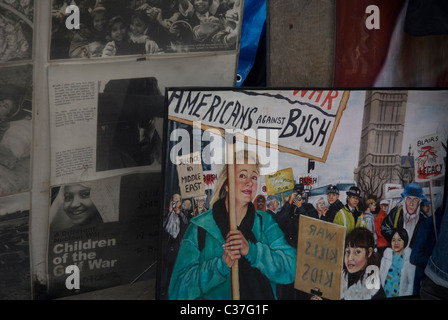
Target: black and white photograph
{"points": [[110, 28], [16, 30], [130, 119], [111, 122], [15, 282], [107, 228], [15, 128]]}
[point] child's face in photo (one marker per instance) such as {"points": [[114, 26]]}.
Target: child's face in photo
{"points": [[7, 106], [77, 204], [118, 31], [99, 22], [355, 259], [137, 26], [201, 6]]}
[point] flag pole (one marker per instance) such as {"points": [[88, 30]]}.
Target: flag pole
{"points": [[232, 213]]}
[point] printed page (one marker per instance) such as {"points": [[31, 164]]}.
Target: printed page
{"points": [[106, 119]]}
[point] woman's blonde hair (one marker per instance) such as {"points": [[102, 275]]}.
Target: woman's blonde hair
{"points": [[221, 187]]}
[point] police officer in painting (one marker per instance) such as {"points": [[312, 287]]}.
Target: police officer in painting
{"points": [[333, 201], [350, 216]]}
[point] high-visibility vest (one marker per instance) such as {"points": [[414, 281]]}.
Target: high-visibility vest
{"points": [[359, 223]]}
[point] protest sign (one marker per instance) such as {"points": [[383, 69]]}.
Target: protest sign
{"points": [[304, 121], [429, 163], [191, 176], [320, 252], [280, 181]]}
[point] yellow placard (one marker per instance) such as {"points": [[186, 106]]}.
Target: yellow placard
{"points": [[280, 181]]}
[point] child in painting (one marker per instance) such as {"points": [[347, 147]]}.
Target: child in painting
{"points": [[396, 272], [359, 253]]}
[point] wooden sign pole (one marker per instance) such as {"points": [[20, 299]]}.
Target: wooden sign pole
{"points": [[232, 214]]}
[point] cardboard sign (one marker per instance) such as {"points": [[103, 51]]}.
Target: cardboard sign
{"points": [[320, 253], [191, 176], [280, 181], [429, 164]]}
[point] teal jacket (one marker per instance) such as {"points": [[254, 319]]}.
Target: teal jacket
{"points": [[203, 274]]}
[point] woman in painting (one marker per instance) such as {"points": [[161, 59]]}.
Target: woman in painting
{"points": [[210, 249]]}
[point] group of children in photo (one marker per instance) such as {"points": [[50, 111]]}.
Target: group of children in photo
{"points": [[114, 28]]}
